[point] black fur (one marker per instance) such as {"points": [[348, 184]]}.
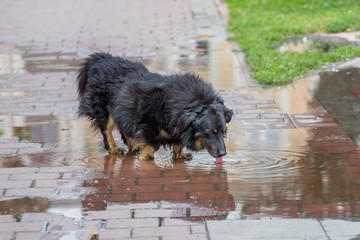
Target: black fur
{"points": [[143, 103]]}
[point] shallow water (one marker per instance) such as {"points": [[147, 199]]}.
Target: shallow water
{"points": [[263, 175], [287, 156]]}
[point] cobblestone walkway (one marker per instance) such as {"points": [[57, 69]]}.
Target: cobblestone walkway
{"points": [[287, 155]]}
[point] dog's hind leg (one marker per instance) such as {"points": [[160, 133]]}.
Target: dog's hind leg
{"points": [[106, 143], [109, 142], [178, 153], [128, 141]]}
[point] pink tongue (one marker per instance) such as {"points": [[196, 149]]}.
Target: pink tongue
{"points": [[219, 160]]}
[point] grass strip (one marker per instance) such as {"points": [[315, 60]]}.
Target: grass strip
{"points": [[260, 27]]}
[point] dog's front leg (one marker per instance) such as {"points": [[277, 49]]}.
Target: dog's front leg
{"points": [[178, 153], [146, 152]]}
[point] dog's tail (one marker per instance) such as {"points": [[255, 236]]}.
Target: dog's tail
{"points": [[84, 67], [82, 76]]}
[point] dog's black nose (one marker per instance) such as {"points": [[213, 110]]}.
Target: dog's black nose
{"points": [[221, 153]]}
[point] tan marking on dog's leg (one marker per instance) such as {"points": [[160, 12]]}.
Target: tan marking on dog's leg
{"points": [[129, 142], [112, 145], [199, 144], [178, 152], [165, 134], [146, 153], [138, 146]]}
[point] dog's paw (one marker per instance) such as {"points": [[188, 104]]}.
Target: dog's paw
{"points": [[116, 151], [144, 157], [183, 156]]}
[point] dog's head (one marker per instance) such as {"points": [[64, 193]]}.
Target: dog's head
{"points": [[208, 128]]}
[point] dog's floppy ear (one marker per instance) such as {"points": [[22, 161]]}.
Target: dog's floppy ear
{"points": [[186, 120], [228, 113]]}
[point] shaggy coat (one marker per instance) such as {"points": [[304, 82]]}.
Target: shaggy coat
{"points": [[150, 109]]}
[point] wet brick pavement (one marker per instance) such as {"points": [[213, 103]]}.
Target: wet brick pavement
{"points": [[292, 151]]}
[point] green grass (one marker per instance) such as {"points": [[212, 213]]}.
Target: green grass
{"points": [[262, 26]]}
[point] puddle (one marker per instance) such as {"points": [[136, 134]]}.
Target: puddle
{"points": [[11, 63], [17, 207], [212, 59], [252, 183], [205, 36], [287, 156], [256, 178], [299, 46], [306, 44], [339, 93], [19, 60]]}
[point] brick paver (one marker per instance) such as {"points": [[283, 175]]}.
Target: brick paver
{"points": [[56, 180]]}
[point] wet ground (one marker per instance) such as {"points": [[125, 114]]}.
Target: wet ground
{"points": [[293, 151]]}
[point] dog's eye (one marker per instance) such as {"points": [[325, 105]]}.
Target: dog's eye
{"points": [[215, 131], [212, 132], [225, 132]]}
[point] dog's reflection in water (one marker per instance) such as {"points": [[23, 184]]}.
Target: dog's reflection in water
{"points": [[127, 180]]}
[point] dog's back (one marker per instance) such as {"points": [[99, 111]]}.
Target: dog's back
{"points": [[98, 77], [102, 68]]}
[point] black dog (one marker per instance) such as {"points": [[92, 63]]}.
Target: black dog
{"points": [[149, 109]]}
